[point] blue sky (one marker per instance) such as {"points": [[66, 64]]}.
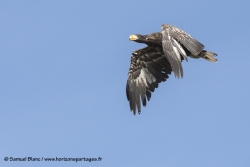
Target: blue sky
{"points": [[63, 70]]}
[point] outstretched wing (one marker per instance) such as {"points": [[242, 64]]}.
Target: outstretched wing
{"points": [[148, 67], [173, 41]]}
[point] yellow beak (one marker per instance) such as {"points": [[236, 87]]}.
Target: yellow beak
{"points": [[133, 37]]}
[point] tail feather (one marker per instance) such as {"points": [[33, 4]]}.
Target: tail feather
{"points": [[209, 56]]}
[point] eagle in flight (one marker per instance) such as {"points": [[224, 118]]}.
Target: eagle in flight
{"points": [[152, 64]]}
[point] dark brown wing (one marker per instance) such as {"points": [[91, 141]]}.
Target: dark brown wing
{"points": [[149, 66], [173, 41]]}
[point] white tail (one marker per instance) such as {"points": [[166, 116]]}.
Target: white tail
{"points": [[209, 56]]}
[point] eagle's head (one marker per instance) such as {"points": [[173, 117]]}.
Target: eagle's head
{"points": [[137, 38], [150, 39]]}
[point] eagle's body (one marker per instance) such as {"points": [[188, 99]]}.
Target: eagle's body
{"points": [[163, 54]]}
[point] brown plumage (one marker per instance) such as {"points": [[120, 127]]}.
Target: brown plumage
{"points": [[163, 54]]}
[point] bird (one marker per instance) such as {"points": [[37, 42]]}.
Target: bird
{"points": [[154, 63]]}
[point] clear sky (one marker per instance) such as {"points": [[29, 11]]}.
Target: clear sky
{"points": [[63, 72]]}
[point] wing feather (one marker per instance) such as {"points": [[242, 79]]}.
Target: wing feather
{"points": [[171, 55], [194, 46], [148, 68], [173, 41]]}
